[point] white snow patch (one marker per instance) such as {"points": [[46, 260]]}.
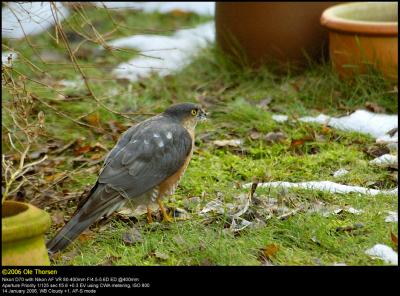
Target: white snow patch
{"points": [[383, 252], [29, 18], [392, 217], [205, 8], [233, 143], [279, 117], [71, 83], [340, 172], [376, 125], [166, 54], [354, 211], [6, 54], [386, 160], [325, 186]]}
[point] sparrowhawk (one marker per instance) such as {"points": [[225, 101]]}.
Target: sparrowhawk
{"points": [[146, 164]]}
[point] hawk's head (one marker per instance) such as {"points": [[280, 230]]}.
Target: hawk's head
{"points": [[188, 114]]}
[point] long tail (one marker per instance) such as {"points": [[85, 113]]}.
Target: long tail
{"points": [[100, 201]]}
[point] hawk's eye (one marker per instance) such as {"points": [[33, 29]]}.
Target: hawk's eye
{"points": [[194, 112]]}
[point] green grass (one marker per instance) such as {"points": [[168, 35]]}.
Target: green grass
{"points": [[232, 93]]}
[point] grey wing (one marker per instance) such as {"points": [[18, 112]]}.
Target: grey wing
{"points": [[146, 156]]}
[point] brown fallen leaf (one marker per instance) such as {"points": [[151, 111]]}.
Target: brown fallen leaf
{"points": [[350, 227], [54, 177], [97, 156], [82, 150], [373, 107], [58, 218], [86, 235], [179, 13], [301, 142], [116, 127], [394, 239], [60, 150], [267, 253], [326, 130], [206, 262]]}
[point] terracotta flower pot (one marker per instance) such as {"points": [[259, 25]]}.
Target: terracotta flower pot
{"points": [[363, 33], [22, 239], [280, 32]]}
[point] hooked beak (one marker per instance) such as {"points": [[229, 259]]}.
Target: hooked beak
{"points": [[202, 115]]}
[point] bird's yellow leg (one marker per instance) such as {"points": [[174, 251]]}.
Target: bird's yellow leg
{"points": [[149, 218], [166, 217]]}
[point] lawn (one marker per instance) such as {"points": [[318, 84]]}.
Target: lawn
{"points": [[81, 126]]}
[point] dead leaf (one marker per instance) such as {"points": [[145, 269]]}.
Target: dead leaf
{"points": [[54, 177], [70, 255], [267, 253], [254, 134], [65, 147], [116, 127], [326, 130], [82, 150], [58, 218], [179, 13], [110, 261], [275, 137], [373, 107], [192, 203], [392, 132], [161, 255], [316, 240], [236, 227], [394, 239], [132, 237], [206, 262], [377, 150], [263, 104], [301, 142], [93, 119], [350, 228], [288, 214], [38, 154], [97, 156], [86, 235]]}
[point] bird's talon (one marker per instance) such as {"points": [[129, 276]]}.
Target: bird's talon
{"points": [[149, 216], [167, 219]]}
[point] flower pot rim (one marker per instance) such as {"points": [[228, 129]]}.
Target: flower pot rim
{"points": [[25, 224], [332, 21]]}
